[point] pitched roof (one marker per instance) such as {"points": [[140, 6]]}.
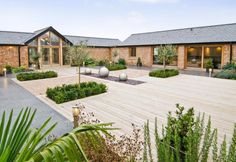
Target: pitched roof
{"points": [[22, 38], [13, 38], [205, 34], [93, 41]]}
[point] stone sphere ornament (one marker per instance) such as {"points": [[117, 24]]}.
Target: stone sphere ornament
{"points": [[123, 77], [88, 71], [103, 72]]}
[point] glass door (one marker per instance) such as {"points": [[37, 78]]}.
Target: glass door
{"points": [[55, 55], [45, 56]]}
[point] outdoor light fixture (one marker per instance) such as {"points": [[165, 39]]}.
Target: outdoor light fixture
{"points": [[76, 110], [5, 71], [210, 72]]}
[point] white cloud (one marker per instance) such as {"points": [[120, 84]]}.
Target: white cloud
{"points": [[156, 1]]}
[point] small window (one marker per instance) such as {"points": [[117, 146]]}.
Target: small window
{"points": [[133, 52]]}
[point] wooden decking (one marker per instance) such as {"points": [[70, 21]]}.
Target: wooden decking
{"points": [[125, 104]]}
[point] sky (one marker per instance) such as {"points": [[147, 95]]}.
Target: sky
{"points": [[113, 18]]}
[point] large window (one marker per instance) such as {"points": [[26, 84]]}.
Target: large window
{"points": [[133, 52], [155, 56], [45, 56], [213, 53], [45, 40], [34, 42], [54, 40], [66, 56], [55, 55], [32, 53], [194, 56]]}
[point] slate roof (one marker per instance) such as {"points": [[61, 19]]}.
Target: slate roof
{"points": [[13, 38], [22, 38], [206, 34], [93, 41]]}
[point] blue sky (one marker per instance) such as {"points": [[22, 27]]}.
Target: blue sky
{"points": [[113, 18]]}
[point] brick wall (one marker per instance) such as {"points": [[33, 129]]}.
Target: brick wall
{"points": [[234, 52], [100, 53], [226, 54], [9, 55], [182, 57], [145, 53], [24, 56]]}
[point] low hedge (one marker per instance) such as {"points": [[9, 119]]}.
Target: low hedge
{"points": [[114, 67], [164, 73], [36, 75], [226, 74], [65, 93]]}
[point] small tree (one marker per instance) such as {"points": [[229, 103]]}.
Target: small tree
{"points": [[35, 56], [114, 55], [166, 54], [78, 53]]}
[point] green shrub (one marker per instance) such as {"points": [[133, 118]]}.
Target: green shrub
{"points": [[164, 73], [187, 138], [65, 93], [36, 75], [226, 74], [121, 61], [230, 66], [8, 68], [19, 69], [114, 67], [90, 62]]}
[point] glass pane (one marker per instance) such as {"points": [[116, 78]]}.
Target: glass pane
{"points": [[45, 56], [155, 55], [66, 56], [44, 39], [65, 44], [32, 54], [194, 56], [55, 55], [34, 42], [215, 54], [54, 40]]}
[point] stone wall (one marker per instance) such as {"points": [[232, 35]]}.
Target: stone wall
{"points": [[145, 53]]}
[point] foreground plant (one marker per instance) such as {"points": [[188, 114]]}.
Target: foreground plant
{"points": [[187, 138], [19, 141]]}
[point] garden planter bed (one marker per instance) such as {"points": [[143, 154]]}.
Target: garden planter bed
{"points": [[116, 79], [65, 93]]}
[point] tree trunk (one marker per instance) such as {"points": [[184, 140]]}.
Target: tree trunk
{"points": [[164, 64], [79, 74]]}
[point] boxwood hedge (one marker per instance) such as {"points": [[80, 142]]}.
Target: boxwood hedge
{"points": [[114, 67], [65, 93], [164, 73], [36, 75]]}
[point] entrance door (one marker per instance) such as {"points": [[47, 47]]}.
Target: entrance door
{"points": [[45, 56]]}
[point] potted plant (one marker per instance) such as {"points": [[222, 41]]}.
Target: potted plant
{"points": [[209, 65], [139, 62]]}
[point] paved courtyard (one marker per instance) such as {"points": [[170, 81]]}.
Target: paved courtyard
{"points": [[12, 96], [125, 104]]}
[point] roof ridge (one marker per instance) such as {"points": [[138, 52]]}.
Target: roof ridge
{"points": [[42, 29], [15, 32], [91, 37], [207, 26]]}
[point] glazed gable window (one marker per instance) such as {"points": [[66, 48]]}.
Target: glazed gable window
{"points": [[133, 52]]}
